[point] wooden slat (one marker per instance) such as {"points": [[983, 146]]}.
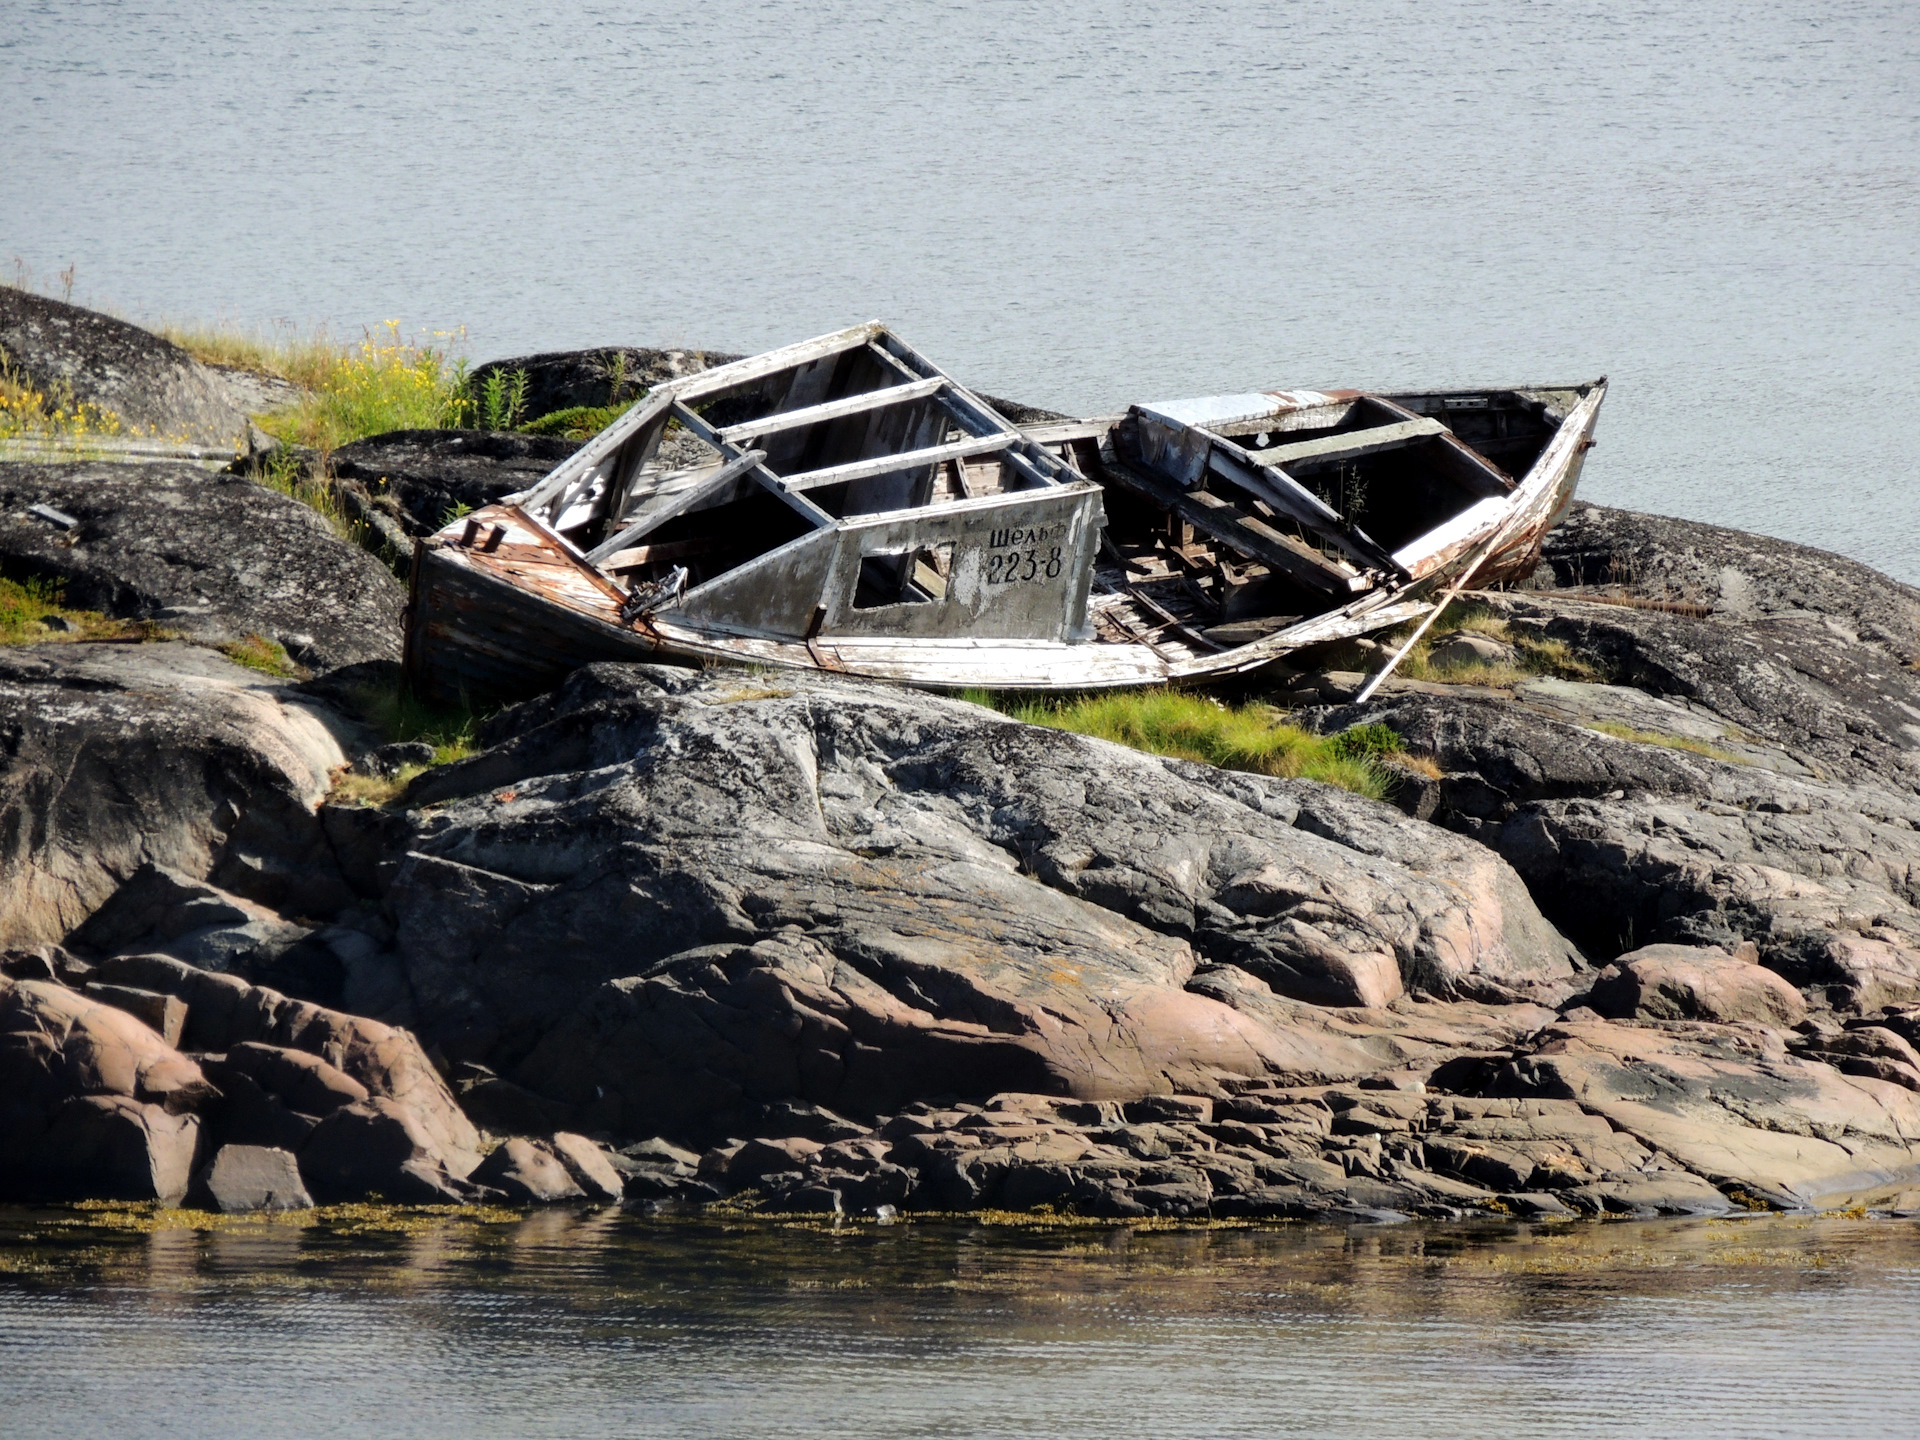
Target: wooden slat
{"points": [[906, 460], [833, 409], [594, 452], [1057, 432], [1305, 454], [758, 367], [1233, 527], [660, 554], [804, 507], [678, 504]]}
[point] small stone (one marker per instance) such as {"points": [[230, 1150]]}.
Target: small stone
{"points": [[1467, 648]]}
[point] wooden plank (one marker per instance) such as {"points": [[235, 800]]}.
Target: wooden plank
{"points": [[1026, 467], [758, 367], [660, 554], [660, 514], [960, 478], [1306, 454], [906, 460], [1234, 528], [594, 451], [1058, 432], [806, 509], [833, 410]]}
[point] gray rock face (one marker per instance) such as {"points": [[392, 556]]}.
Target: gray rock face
{"points": [[854, 896], [247, 1178], [418, 476], [212, 557], [113, 757], [154, 386], [1809, 651], [1797, 829]]}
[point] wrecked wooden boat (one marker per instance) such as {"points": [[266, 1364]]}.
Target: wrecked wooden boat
{"points": [[843, 504]]}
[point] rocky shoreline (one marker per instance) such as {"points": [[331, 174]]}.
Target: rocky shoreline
{"points": [[1639, 944]]}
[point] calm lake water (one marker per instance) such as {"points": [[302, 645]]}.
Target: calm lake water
{"points": [[1715, 203], [611, 1325]]}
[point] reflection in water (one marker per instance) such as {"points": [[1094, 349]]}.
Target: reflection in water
{"points": [[607, 1324]]}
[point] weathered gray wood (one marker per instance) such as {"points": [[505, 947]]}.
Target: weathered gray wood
{"points": [[1027, 467], [660, 514], [960, 481], [906, 460], [659, 554], [588, 456], [1305, 454], [1292, 499], [758, 367], [1059, 432], [1233, 527], [833, 410], [799, 503]]}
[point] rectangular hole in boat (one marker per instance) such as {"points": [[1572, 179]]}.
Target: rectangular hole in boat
{"points": [[904, 577]]}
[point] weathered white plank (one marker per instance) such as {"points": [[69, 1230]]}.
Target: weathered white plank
{"points": [[1058, 432], [595, 451], [906, 460], [1328, 448], [833, 410], [758, 367]]}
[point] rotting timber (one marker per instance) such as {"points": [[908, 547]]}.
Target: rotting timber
{"points": [[843, 504]]}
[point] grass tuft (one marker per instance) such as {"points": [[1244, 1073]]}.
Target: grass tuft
{"points": [[1535, 656], [577, 422], [257, 652], [32, 612], [28, 412], [1194, 727], [384, 382], [1671, 742]]}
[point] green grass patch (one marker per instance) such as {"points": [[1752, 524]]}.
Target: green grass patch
{"points": [[286, 472], [577, 422], [385, 381], [1194, 727], [33, 612], [257, 652], [452, 731], [1534, 656], [1661, 737]]}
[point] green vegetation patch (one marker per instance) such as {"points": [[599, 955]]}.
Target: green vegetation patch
{"points": [[1195, 727], [398, 716], [257, 652], [348, 391], [32, 612], [1671, 742], [577, 422], [1534, 655]]}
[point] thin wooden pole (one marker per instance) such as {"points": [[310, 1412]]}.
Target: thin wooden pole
{"points": [[1366, 691]]}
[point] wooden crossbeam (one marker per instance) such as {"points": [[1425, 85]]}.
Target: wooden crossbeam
{"points": [[1237, 530], [1307, 454], [677, 505], [833, 410], [906, 460]]}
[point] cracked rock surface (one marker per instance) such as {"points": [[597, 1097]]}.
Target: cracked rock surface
{"points": [[212, 557]]}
